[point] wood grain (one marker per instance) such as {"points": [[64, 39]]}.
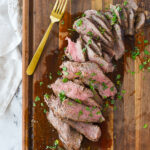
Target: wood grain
{"points": [[123, 129]]}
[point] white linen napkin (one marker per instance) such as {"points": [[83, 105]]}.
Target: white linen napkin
{"points": [[10, 56]]}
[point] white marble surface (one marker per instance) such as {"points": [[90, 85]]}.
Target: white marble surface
{"points": [[11, 124]]}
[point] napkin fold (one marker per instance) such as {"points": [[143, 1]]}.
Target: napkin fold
{"points": [[10, 55]]}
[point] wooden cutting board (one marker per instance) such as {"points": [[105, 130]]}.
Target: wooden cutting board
{"points": [[123, 128]]}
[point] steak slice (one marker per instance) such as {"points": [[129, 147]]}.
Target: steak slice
{"points": [[69, 109], [84, 26], [101, 15], [71, 138], [140, 20], [93, 57], [74, 50], [95, 47], [119, 44], [90, 71], [125, 19], [74, 91], [90, 131], [131, 21], [116, 9], [107, 57], [132, 4]]}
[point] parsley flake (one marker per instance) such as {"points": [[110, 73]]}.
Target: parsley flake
{"points": [[79, 22], [78, 101], [37, 99], [65, 80], [145, 126], [80, 113], [62, 96], [41, 83]]}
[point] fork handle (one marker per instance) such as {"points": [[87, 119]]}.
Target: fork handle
{"points": [[39, 51]]}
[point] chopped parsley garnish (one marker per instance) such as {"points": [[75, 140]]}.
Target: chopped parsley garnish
{"points": [[125, 3], [141, 66], [50, 76], [118, 76], [91, 115], [62, 96], [80, 113], [98, 113], [146, 52], [118, 82], [119, 8], [65, 48], [41, 83], [145, 126], [83, 15], [88, 109], [71, 29], [62, 22], [78, 101], [106, 105], [132, 72], [115, 108], [45, 111], [114, 18], [93, 74], [104, 97], [91, 86], [90, 33], [145, 41], [65, 80], [112, 89], [135, 53], [79, 22], [64, 68], [34, 104], [123, 91], [46, 96], [59, 73], [37, 99], [84, 50], [104, 86], [119, 97], [70, 103], [66, 73], [78, 73], [101, 65], [89, 42], [55, 145], [42, 104], [102, 30], [112, 101]]}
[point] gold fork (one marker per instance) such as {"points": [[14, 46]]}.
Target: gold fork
{"points": [[56, 15]]}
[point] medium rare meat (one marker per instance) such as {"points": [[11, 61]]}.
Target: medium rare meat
{"points": [[71, 138], [68, 109], [119, 43], [90, 131], [84, 26], [140, 20], [97, 48], [74, 91], [74, 50], [92, 71], [107, 57], [101, 15], [93, 57], [131, 22]]}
